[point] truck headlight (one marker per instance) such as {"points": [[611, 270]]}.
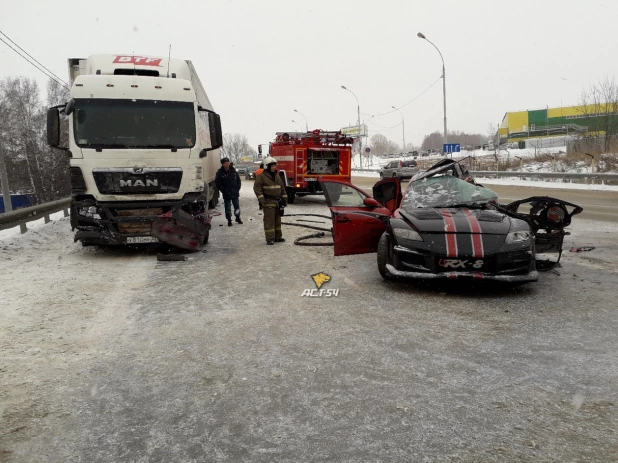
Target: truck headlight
{"points": [[407, 234], [517, 236]]}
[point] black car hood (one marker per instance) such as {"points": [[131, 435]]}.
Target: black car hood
{"points": [[458, 220]]}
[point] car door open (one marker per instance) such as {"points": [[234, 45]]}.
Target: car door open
{"points": [[358, 219]]}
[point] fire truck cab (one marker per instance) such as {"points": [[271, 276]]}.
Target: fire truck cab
{"points": [[304, 157]]}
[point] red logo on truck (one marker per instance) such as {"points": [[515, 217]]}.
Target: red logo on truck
{"points": [[138, 60]]}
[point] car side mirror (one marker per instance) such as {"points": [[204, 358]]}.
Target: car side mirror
{"points": [[370, 202]]}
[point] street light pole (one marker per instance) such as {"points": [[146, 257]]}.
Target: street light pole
{"points": [[4, 179], [360, 138], [403, 129], [306, 123], [300, 126], [422, 36]]}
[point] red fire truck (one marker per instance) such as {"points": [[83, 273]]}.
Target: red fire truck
{"points": [[303, 157]]}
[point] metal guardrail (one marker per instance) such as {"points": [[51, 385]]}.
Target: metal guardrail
{"points": [[562, 175], [540, 175], [21, 217]]}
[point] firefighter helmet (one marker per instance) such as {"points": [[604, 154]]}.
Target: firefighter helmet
{"points": [[270, 160]]}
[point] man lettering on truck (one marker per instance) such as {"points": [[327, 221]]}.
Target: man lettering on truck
{"points": [[228, 183], [270, 190]]}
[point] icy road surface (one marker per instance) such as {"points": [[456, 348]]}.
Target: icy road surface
{"points": [[109, 355]]}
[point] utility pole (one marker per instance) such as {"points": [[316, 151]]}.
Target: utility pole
{"points": [[4, 178]]}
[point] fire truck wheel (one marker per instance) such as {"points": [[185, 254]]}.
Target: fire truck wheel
{"points": [[291, 196]]}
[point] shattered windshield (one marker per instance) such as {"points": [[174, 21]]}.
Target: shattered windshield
{"points": [[445, 191], [101, 123]]}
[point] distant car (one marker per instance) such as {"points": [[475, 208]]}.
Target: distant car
{"points": [[250, 172], [242, 169], [399, 169]]}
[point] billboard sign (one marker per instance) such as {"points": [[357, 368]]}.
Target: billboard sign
{"points": [[355, 131]]}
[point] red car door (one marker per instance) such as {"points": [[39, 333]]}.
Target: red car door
{"points": [[358, 219]]}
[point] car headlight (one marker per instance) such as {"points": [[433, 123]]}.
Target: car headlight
{"points": [[407, 234], [517, 236]]}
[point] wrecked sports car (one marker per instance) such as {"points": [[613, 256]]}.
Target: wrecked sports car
{"points": [[445, 226]]}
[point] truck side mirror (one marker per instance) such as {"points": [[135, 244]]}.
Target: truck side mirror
{"points": [[216, 135], [53, 127]]}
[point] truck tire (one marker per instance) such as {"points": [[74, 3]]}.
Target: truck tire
{"points": [[291, 195], [215, 198], [383, 252]]}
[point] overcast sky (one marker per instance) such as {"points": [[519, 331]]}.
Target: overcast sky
{"points": [[260, 60]]}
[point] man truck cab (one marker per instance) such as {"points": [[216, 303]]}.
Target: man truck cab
{"points": [[143, 143]]}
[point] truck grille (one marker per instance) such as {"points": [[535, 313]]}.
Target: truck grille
{"points": [[122, 181]]}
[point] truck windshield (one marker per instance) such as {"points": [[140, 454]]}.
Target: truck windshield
{"points": [[100, 123]]}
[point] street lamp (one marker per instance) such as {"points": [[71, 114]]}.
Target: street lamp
{"points": [[403, 130], [299, 126], [306, 124], [360, 138], [420, 35]]}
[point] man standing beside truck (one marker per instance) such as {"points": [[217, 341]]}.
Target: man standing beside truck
{"points": [[228, 183], [270, 191]]}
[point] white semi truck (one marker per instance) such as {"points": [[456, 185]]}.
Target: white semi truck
{"points": [[144, 150]]}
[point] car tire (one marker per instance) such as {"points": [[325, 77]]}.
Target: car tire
{"points": [[381, 175], [383, 252], [394, 175]]}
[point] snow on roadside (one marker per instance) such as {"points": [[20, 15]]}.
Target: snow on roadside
{"points": [[34, 225], [514, 181]]}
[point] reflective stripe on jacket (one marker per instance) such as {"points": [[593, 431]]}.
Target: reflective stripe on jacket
{"points": [[268, 188]]}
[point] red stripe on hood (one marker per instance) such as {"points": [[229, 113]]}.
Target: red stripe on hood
{"points": [[477, 234], [451, 237]]}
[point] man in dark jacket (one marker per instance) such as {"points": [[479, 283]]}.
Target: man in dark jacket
{"points": [[270, 191], [228, 183]]}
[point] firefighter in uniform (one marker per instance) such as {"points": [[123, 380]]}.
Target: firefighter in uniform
{"points": [[270, 191]]}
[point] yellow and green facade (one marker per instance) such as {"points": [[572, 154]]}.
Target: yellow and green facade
{"points": [[550, 122]]}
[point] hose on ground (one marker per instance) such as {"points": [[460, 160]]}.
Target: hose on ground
{"points": [[300, 241]]}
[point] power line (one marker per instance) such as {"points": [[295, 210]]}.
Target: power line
{"points": [[45, 71], [32, 57], [406, 104]]}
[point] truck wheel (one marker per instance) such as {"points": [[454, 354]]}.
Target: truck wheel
{"points": [[383, 252], [215, 199], [291, 196]]}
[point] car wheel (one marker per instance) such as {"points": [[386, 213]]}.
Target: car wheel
{"points": [[381, 176], [383, 252], [394, 175]]}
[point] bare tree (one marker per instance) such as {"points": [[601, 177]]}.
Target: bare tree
{"points": [[32, 165], [236, 146], [434, 141], [380, 144], [599, 104]]}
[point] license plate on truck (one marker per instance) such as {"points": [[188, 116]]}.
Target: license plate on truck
{"points": [[141, 239]]}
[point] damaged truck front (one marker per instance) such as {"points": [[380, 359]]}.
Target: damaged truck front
{"points": [[143, 144]]}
